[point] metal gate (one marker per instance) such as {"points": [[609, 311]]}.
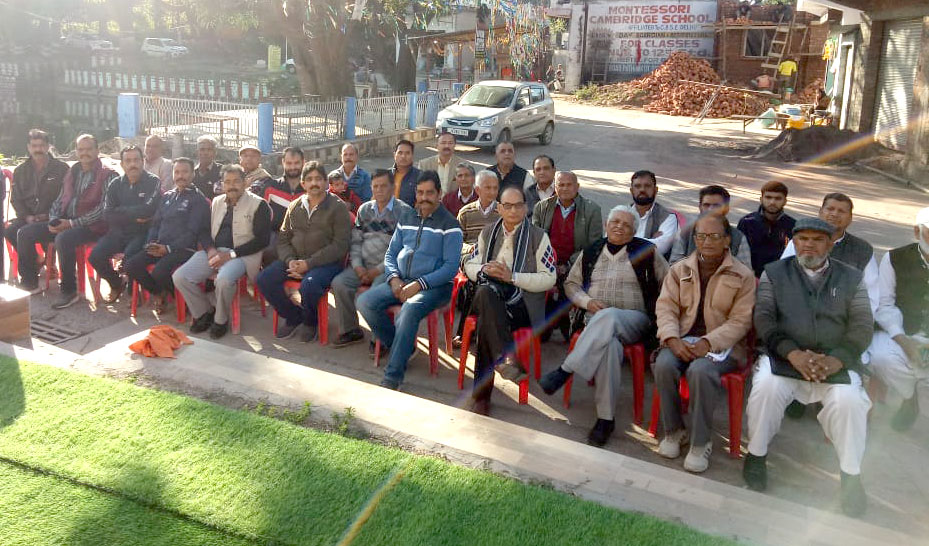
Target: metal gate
{"points": [[899, 56]]}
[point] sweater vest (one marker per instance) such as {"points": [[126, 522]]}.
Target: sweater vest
{"points": [[243, 217], [854, 251], [561, 234], [912, 294], [641, 255]]}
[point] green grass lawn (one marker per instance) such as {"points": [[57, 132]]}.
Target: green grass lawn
{"points": [[120, 464]]}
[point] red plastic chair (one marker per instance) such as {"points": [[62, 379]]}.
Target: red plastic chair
{"points": [[179, 302], [432, 331], [528, 352], [322, 312], [636, 355]]}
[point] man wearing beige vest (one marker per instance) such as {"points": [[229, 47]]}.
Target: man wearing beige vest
{"points": [[443, 162], [240, 228]]}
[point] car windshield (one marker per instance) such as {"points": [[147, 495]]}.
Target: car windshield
{"points": [[487, 95], [169, 42]]}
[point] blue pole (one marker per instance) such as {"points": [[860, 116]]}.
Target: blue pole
{"points": [[432, 108], [351, 106], [265, 127], [128, 112], [411, 97]]}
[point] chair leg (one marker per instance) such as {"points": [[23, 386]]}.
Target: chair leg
{"points": [[261, 301], [736, 387], [50, 263], [567, 392], [274, 321], [684, 390], [432, 331], [656, 409], [636, 355], [181, 307], [523, 339], [322, 318], [449, 317], [469, 326], [236, 313], [537, 352], [133, 305]]}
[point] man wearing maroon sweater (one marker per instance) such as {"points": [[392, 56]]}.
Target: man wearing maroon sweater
{"points": [[464, 192], [572, 223]]}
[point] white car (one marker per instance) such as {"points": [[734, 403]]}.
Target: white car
{"points": [[491, 112], [81, 40], [163, 47]]}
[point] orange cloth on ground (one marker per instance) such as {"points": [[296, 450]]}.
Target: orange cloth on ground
{"points": [[161, 342]]}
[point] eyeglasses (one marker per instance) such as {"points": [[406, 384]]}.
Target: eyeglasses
{"points": [[711, 236], [512, 206]]}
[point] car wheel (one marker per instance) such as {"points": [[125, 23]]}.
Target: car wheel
{"points": [[546, 137], [505, 136]]}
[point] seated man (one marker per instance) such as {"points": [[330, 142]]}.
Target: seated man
{"points": [[76, 218], [616, 280], [658, 224], [813, 321], [421, 262], [713, 200], [703, 313], [35, 186], [404, 173], [359, 181], [573, 223], [464, 189], [508, 172], [769, 228], [477, 215], [240, 228], [129, 205], [339, 188], [157, 164], [543, 167], [374, 226], [314, 238], [206, 175], [899, 352], [172, 238], [513, 267], [278, 192]]}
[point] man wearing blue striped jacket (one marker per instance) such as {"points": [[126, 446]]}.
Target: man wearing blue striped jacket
{"points": [[421, 262]]}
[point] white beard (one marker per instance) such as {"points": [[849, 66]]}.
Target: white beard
{"points": [[811, 262]]}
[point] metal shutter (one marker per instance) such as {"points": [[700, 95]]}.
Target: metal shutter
{"points": [[899, 56]]}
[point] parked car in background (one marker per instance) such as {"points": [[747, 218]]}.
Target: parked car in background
{"points": [[495, 111], [163, 47], [83, 40]]}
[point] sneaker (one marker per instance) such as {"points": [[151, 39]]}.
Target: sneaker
{"points": [[698, 458], [116, 292], [66, 300], [218, 330], [309, 334], [795, 410], [600, 434], [390, 384], [554, 380], [202, 323], [511, 370], [755, 472], [854, 499], [286, 330], [906, 415], [670, 446], [349, 338]]}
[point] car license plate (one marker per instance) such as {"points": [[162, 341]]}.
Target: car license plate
{"points": [[461, 132]]}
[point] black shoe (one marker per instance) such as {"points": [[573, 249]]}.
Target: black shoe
{"points": [[218, 330], [854, 499], [390, 384], [349, 338], [286, 330], [906, 415], [554, 380], [116, 292], [66, 300], [512, 370], [545, 335], [309, 333], [755, 472], [202, 323], [565, 332], [795, 410], [601, 432]]}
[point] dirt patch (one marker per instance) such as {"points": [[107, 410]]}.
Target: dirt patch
{"points": [[821, 145]]}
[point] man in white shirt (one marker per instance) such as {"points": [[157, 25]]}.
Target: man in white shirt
{"points": [[156, 164], [899, 351], [657, 224]]}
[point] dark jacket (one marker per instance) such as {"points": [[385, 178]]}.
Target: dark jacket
{"points": [[277, 192], [516, 178], [407, 185], [182, 216], [852, 250], [766, 241], [588, 222], [912, 288], [127, 203], [82, 204], [32, 197], [209, 184], [832, 316], [321, 239]]}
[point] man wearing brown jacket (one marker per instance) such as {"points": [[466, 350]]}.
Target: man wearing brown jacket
{"points": [[703, 314], [315, 237]]}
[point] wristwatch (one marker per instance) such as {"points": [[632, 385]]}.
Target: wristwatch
{"points": [[232, 253]]}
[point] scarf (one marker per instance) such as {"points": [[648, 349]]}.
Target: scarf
{"points": [[512, 294]]}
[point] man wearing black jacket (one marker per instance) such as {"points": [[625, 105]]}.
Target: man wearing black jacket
{"points": [[172, 238], [129, 204]]}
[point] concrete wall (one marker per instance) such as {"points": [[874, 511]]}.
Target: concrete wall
{"points": [[864, 79], [916, 164]]}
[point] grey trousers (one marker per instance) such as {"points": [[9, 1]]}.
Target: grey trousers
{"points": [[188, 277], [598, 353], [344, 287], [705, 384]]}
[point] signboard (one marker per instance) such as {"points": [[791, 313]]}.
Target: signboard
{"points": [[480, 37], [274, 58], [635, 36]]}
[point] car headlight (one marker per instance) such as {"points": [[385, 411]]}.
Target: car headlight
{"points": [[488, 122]]}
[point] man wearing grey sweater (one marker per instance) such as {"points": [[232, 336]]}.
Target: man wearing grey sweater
{"points": [[813, 321], [375, 223]]}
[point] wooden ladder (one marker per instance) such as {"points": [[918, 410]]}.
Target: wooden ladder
{"points": [[780, 44]]}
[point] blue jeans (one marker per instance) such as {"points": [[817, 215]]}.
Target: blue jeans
{"points": [[399, 335], [314, 284]]}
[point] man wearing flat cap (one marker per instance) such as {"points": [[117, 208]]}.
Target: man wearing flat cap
{"points": [[813, 321], [899, 352]]}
